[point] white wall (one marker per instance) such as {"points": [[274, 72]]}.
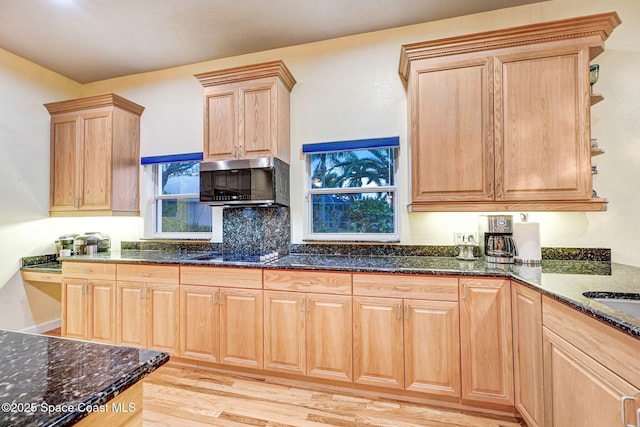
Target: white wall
{"points": [[347, 88], [25, 226]]}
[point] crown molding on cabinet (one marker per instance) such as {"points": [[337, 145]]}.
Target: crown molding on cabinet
{"points": [[599, 27], [248, 72], [96, 101]]}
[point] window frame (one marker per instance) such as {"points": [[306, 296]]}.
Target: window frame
{"points": [[310, 236], [153, 215]]}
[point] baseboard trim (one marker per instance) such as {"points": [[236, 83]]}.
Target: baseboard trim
{"points": [[43, 327]]}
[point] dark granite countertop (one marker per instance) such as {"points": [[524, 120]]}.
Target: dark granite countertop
{"points": [[563, 280], [52, 267], [39, 374]]}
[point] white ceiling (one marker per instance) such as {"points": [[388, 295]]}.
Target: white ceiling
{"points": [[90, 40]]}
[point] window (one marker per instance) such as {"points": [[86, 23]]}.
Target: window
{"points": [[352, 190], [176, 211]]}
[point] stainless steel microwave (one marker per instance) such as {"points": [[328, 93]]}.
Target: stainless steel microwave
{"points": [[246, 182]]}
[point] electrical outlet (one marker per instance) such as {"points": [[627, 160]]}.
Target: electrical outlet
{"points": [[465, 237]]}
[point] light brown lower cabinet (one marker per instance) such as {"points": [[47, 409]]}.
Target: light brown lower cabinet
{"points": [[407, 344], [486, 340], [89, 301], [406, 332], [378, 356], [221, 325], [432, 347], [148, 315], [526, 304], [89, 310], [308, 334], [582, 392], [590, 370]]}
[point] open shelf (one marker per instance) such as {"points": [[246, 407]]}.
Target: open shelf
{"points": [[595, 98]]}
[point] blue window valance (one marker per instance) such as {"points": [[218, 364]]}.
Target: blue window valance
{"points": [[357, 144], [171, 158]]}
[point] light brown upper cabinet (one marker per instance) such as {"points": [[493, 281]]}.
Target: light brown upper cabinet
{"points": [[501, 120], [246, 112], [95, 156]]}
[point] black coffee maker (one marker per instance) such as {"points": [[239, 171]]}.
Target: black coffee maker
{"points": [[496, 239]]}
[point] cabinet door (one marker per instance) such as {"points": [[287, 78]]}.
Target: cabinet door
{"points": [[581, 392], [527, 353], [131, 319], [96, 144], [329, 327], [65, 156], [486, 341], [257, 118], [199, 322], [221, 123], [452, 130], [101, 301], [163, 308], [74, 308], [432, 347], [542, 125], [241, 327], [377, 342], [284, 340]]}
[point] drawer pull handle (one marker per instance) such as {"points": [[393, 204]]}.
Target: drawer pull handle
{"points": [[403, 288], [623, 413], [307, 283], [45, 277], [145, 274], [86, 270]]}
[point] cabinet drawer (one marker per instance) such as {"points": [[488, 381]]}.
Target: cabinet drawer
{"points": [[89, 270], [406, 286], [149, 273], [308, 281], [41, 276], [222, 276]]}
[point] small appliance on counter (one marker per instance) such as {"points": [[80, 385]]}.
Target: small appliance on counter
{"points": [[89, 243], [65, 243], [496, 239]]}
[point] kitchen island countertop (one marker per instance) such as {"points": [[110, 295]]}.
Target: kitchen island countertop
{"points": [[50, 381]]}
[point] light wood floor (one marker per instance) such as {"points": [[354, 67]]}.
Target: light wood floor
{"points": [[175, 395], [178, 396]]}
